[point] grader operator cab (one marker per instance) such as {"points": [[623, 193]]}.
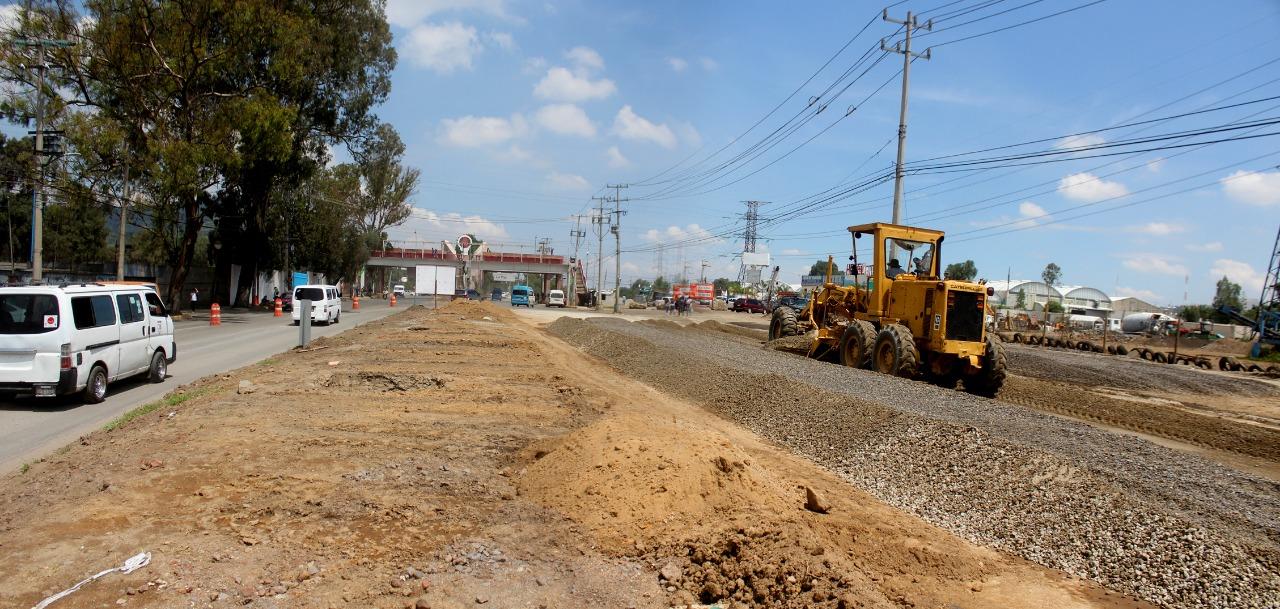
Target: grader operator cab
{"points": [[900, 317]]}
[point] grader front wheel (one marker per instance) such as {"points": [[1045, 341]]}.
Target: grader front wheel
{"points": [[783, 324]]}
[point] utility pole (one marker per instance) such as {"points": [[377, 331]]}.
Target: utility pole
{"points": [[575, 234], [599, 220], [38, 194], [705, 264], [617, 243], [904, 49]]}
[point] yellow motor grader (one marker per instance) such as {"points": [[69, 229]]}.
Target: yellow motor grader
{"points": [[899, 316]]}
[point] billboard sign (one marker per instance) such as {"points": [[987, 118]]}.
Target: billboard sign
{"points": [[429, 279], [755, 258], [505, 277]]}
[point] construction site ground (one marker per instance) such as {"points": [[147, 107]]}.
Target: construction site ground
{"points": [[470, 457]]}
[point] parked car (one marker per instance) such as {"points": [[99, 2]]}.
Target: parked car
{"points": [[398, 290], [522, 295], [555, 298], [796, 303], [496, 295], [326, 306], [750, 305], [67, 339]]}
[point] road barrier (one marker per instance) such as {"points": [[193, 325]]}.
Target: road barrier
{"points": [[355, 303], [215, 315], [279, 308], [393, 301]]}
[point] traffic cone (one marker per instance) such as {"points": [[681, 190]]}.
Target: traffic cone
{"points": [[215, 315], [393, 300], [355, 302], [279, 308]]}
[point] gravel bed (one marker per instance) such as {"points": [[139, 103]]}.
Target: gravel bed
{"points": [[1093, 369], [1164, 526]]}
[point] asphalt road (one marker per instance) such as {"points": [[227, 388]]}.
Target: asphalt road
{"points": [[30, 429]]}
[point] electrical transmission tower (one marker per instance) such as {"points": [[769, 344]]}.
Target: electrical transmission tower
{"points": [[749, 235]]}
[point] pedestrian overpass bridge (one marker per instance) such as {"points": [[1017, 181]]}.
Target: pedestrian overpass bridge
{"points": [[542, 264]]}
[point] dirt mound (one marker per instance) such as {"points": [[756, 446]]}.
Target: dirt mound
{"points": [[662, 323], [379, 381]]}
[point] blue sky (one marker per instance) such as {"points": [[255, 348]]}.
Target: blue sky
{"points": [[518, 112]]}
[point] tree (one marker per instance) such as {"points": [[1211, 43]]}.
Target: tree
{"points": [[1021, 304], [961, 271], [1053, 306], [1228, 295], [820, 268], [639, 287], [224, 102], [661, 285], [75, 230], [1051, 274], [388, 185]]}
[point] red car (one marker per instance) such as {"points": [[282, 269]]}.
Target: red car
{"points": [[749, 305]]}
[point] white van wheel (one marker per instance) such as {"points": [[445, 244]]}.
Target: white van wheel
{"points": [[159, 367], [96, 389]]}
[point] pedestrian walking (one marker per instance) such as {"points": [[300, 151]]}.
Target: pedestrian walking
{"points": [[195, 297]]}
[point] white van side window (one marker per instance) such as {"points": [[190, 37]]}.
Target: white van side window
{"points": [[130, 308], [156, 306], [93, 311]]}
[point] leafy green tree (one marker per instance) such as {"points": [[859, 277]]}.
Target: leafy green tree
{"points": [[387, 184], [661, 285], [1053, 306], [639, 288], [961, 271], [75, 230], [1228, 294], [1051, 274], [820, 268], [1022, 300], [15, 191]]}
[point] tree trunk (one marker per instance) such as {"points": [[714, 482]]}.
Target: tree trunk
{"points": [[186, 253]]}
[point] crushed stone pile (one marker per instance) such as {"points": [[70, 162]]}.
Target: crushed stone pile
{"points": [[1166, 527]]}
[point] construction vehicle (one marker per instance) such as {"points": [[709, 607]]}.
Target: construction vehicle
{"points": [[907, 322]]}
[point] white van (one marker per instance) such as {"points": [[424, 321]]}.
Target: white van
{"points": [[555, 298], [67, 339], [326, 305]]}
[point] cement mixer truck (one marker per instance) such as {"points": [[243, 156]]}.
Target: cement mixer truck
{"points": [[1146, 323]]}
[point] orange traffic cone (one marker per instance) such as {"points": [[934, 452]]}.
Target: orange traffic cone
{"points": [[215, 315], [393, 300], [279, 308], [355, 302]]}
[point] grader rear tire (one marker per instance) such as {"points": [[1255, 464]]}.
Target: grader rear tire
{"points": [[895, 352], [990, 379], [856, 344], [783, 324]]}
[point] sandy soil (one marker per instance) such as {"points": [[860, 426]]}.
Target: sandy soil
{"points": [[462, 458]]}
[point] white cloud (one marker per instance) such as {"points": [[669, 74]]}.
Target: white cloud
{"points": [[563, 85], [408, 13], [629, 125], [1253, 187], [791, 251], [585, 58], [1155, 165], [1159, 229], [442, 48], [708, 63], [615, 157], [688, 134], [568, 181], [677, 64], [10, 17], [1154, 263], [1146, 295], [515, 154], [477, 131], [565, 119], [1212, 246], [534, 65], [1077, 141], [1238, 272], [1031, 213], [675, 233], [504, 40], [1091, 188], [431, 226]]}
